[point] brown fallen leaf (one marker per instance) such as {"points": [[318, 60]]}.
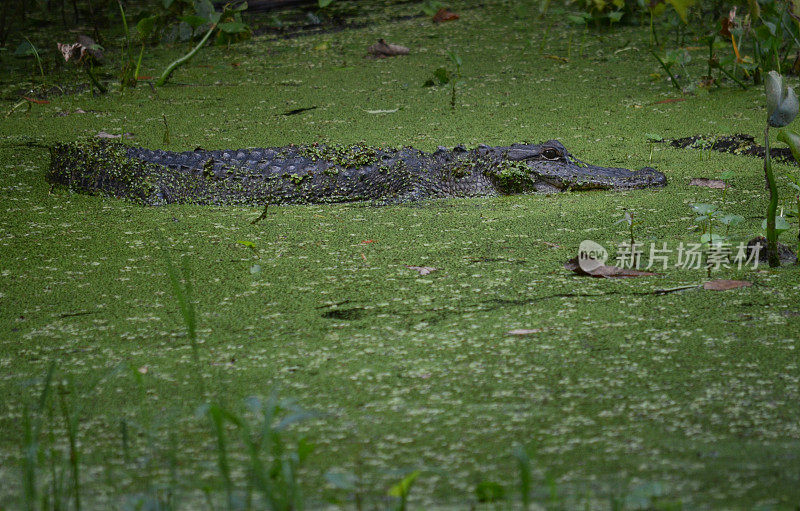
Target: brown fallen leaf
{"points": [[444, 15], [103, 134], [382, 50], [524, 331], [423, 270], [709, 183], [724, 285], [608, 272], [34, 100]]}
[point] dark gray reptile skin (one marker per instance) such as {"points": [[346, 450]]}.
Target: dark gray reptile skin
{"points": [[319, 174]]}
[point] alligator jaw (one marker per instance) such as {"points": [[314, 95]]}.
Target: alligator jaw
{"points": [[567, 176]]}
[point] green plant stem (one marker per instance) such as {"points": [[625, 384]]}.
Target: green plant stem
{"points": [[74, 456], [666, 69], [217, 420], [166, 129], [138, 63], [569, 46], [729, 75], [653, 36], [127, 50], [181, 61], [31, 451], [797, 260], [36, 54], [772, 208], [93, 78]]}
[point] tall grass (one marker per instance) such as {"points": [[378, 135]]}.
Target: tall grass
{"points": [[251, 438], [183, 292], [49, 457]]}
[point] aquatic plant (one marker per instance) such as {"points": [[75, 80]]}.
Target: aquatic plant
{"points": [[782, 107]]}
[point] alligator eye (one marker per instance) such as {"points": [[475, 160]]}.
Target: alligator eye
{"points": [[551, 154]]}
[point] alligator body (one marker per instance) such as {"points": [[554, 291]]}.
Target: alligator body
{"points": [[320, 174]]}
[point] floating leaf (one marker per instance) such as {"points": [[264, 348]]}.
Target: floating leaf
{"points": [[704, 209], [103, 134], [422, 270], [382, 49], [708, 183], [724, 285], [603, 271], [731, 219]]}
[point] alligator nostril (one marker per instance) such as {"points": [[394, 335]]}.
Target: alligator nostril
{"points": [[652, 176]]}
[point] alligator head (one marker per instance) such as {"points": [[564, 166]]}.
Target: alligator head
{"points": [[550, 167]]}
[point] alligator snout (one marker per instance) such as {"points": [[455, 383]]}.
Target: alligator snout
{"points": [[647, 177], [569, 176]]}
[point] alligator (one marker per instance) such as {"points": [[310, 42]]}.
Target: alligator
{"points": [[306, 174]]}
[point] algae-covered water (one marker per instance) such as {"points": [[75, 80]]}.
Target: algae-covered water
{"points": [[683, 398]]}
